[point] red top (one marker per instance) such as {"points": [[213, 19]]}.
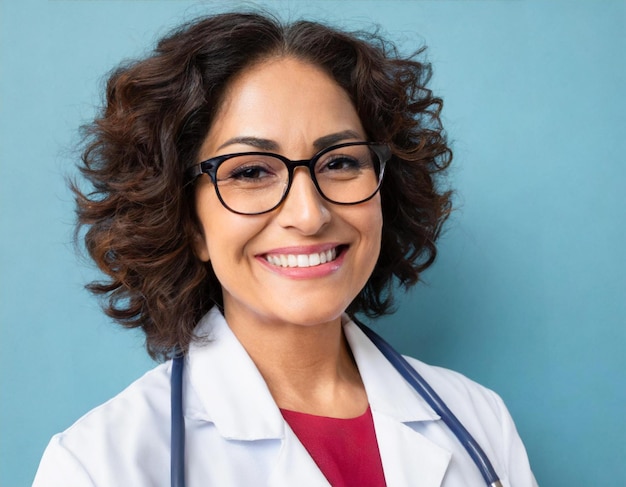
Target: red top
{"points": [[345, 450]]}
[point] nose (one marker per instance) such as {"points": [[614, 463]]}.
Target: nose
{"points": [[304, 208]]}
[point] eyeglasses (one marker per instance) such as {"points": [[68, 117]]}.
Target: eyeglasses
{"points": [[252, 183]]}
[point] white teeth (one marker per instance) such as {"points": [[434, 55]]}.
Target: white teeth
{"points": [[314, 259], [302, 260]]}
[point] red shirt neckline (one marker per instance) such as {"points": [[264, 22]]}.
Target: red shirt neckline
{"points": [[345, 449]]}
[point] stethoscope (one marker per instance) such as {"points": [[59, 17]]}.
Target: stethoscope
{"points": [[398, 361]]}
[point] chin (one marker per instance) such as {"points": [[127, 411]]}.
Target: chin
{"points": [[310, 315]]}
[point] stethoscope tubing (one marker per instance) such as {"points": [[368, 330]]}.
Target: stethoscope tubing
{"points": [[437, 404], [422, 387], [177, 455]]}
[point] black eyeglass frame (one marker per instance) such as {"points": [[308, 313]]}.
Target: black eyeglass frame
{"points": [[210, 166]]}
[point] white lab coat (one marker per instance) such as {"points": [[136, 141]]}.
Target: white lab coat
{"points": [[236, 435]]}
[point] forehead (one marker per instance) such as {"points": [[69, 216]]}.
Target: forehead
{"points": [[285, 100]]}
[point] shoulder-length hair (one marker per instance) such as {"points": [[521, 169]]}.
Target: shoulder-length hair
{"points": [[139, 213]]}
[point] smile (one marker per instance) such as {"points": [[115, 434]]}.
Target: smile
{"points": [[302, 260]]}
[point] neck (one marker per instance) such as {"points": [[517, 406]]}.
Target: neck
{"points": [[308, 368]]}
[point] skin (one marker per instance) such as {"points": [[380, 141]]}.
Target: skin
{"points": [[289, 321]]}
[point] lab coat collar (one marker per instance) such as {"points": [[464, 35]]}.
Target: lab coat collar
{"points": [[233, 395], [236, 398], [387, 391], [232, 392], [408, 457]]}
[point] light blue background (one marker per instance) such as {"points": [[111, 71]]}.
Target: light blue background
{"points": [[527, 296]]}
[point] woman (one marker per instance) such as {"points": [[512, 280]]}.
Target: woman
{"points": [[255, 186]]}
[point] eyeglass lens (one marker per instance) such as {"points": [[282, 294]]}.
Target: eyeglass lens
{"points": [[253, 183]]}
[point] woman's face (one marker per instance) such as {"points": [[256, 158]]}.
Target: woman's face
{"points": [[289, 107]]}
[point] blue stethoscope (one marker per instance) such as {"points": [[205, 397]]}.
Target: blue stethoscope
{"points": [[398, 361]]}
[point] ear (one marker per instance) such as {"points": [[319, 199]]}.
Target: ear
{"points": [[200, 247]]}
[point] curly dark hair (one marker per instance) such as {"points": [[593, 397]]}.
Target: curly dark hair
{"points": [[139, 213]]}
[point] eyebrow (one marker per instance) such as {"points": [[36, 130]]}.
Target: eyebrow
{"points": [[263, 144], [270, 145], [332, 139]]}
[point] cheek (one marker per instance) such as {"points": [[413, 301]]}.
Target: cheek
{"points": [[370, 225], [226, 237], [207, 212], [374, 225], [376, 232]]}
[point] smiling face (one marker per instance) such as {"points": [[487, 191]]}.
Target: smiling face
{"points": [[304, 262]]}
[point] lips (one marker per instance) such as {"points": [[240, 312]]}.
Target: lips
{"points": [[302, 260]]}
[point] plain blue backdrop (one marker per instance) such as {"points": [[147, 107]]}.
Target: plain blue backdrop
{"points": [[528, 295]]}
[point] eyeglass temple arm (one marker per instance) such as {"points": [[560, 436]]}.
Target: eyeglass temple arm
{"points": [[196, 170]]}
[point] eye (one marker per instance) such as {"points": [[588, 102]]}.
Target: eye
{"points": [[340, 163], [249, 172]]}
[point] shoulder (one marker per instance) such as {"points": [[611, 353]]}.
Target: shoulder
{"points": [[484, 414], [145, 399], [456, 386], [383, 380], [470, 401], [132, 425]]}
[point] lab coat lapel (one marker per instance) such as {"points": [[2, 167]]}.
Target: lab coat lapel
{"points": [[231, 390], [295, 466], [235, 398], [408, 457]]}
